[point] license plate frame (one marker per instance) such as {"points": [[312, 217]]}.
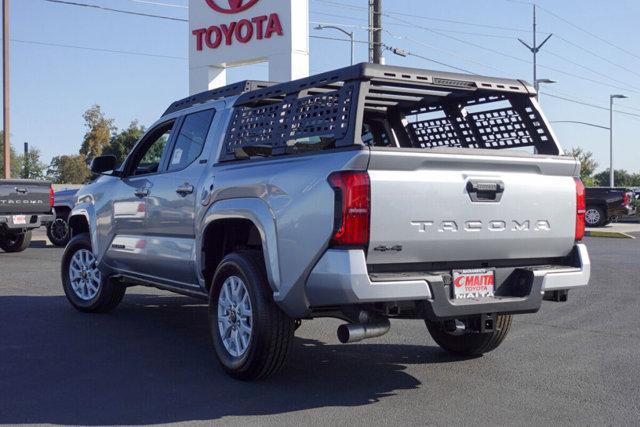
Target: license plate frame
{"points": [[473, 283], [19, 220]]}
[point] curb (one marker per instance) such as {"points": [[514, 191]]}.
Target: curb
{"points": [[609, 234]]}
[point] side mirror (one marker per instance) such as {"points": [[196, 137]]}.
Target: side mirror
{"points": [[103, 164]]}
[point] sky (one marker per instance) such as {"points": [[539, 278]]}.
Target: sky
{"points": [[594, 52]]}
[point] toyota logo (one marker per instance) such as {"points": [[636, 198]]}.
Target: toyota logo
{"points": [[234, 6]]}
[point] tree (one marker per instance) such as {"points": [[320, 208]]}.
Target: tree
{"points": [[621, 176], [15, 164], [588, 164], [69, 170], [122, 143], [30, 165], [98, 135]]}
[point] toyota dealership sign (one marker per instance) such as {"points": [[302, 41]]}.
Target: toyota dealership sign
{"points": [[229, 33]]}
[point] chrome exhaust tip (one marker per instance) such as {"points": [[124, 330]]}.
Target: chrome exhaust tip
{"points": [[354, 332]]}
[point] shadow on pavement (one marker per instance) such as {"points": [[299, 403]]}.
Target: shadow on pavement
{"points": [[151, 361]]}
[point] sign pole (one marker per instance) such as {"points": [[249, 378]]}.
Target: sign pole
{"points": [[5, 85]]}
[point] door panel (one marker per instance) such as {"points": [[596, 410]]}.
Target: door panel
{"points": [[127, 250], [171, 204]]}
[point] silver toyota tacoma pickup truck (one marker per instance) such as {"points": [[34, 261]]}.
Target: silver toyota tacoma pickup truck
{"points": [[366, 194]]}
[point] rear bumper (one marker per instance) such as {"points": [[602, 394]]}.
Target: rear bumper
{"points": [[33, 221], [341, 278]]}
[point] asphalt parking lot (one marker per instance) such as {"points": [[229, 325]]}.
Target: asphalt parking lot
{"points": [[151, 361]]}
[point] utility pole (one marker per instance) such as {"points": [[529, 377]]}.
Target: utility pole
{"points": [[375, 31], [534, 50], [26, 160], [5, 86]]}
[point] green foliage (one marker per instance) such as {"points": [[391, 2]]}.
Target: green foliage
{"points": [[98, 135], [69, 170], [621, 176], [15, 165], [588, 164], [31, 167], [122, 142]]}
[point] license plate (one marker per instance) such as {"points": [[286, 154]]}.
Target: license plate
{"points": [[473, 284], [19, 219]]}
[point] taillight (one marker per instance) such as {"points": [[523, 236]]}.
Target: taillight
{"points": [[581, 207], [352, 208], [625, 199], [51, 196]]}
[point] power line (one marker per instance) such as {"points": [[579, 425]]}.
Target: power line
{"points": [[515, 58], [125, 52], [582, 48], [155, 3], [338, 39], [577, 27], [449, 21], [562, 58], [444, 30], [389, 15], [109, 9], [555, 91], [412, 40], [587, 104]]}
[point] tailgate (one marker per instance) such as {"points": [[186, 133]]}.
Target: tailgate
{"points": [[24, 197], [462, 205]]}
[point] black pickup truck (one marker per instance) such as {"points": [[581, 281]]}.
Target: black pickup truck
{"points": [[604, 204], [24, 206]]}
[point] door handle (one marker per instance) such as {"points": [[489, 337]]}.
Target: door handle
{"points": [[141, 192], [185, 189], [21, 190], [485, 191]]}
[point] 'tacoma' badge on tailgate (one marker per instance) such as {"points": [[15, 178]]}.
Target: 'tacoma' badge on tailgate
{"points": [[492, 225]]}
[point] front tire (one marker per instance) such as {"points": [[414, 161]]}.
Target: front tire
{"points": [[17, 242], [86, 288], [251, 335], [470, 343]]}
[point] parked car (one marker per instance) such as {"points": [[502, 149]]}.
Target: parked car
{"points": [[365, 194], [58, 230], [24, 205], [606, 204]]}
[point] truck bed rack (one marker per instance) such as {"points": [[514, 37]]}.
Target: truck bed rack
{"points": [[219, 93]]}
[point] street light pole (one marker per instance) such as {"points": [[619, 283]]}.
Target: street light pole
{"points": [[538, 82], [349, 34], [611, 170]]}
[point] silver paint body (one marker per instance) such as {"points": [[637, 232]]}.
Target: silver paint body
{"points": [[158, 239]]}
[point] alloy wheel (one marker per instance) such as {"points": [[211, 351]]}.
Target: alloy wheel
{"points": [[84, 275], [235, 319]]}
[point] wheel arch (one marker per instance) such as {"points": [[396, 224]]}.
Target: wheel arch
{"points": [[246, 220], [82, 220]]}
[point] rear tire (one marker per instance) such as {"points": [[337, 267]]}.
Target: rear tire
{"points": [[470, 344], [86, 288], [15, 242], [595, 216], [251, 335]]}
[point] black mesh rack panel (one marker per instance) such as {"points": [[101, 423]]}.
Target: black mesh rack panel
{"points": [[516, 125], [278, 123]]}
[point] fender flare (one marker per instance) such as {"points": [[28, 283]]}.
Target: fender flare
{"points": [[256, 211], [87, 211]]}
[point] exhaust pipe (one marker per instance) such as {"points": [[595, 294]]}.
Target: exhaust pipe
{"points": [[354, 332]]}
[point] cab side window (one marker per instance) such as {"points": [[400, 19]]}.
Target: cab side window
{"points": [[191, 139], [147, 159]]}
